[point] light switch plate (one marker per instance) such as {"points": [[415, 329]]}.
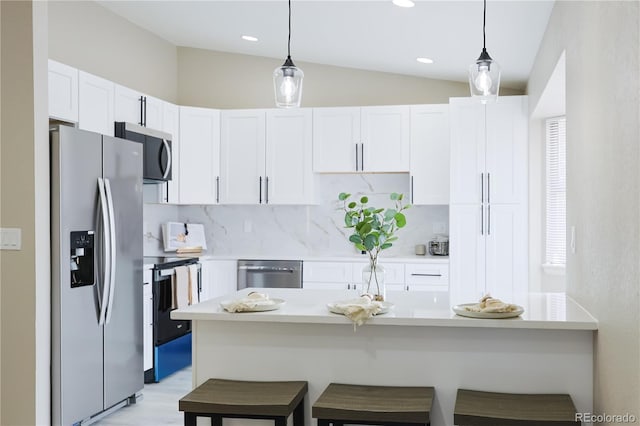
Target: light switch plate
{"points": [[10, 239]]}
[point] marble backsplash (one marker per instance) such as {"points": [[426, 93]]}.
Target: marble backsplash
{"points": [[315, 230]]}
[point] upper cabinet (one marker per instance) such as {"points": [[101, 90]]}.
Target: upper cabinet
{"points": [[429, 165], [336, 140], [134, 107], [199, 155], [242, 157], [288, 155], [63, 92], [385, 139], [265, 157], [171, 125], [367, 139], [96, 104], [489, 150]]}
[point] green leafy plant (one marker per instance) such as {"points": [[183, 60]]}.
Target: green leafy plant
{"points": [[374, 228]]}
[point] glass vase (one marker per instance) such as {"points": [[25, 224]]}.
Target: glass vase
{"points": [[373, 280]]}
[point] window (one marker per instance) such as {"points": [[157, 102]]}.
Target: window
{"points": [[556, 198]]}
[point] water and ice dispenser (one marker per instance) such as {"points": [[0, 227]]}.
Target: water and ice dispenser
{"points": [[82, 258]]}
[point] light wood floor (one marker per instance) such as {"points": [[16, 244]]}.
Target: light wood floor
{"points": [[159, 405]]}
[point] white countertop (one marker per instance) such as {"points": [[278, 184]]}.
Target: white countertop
{"points": [[328, 258], [552, 311]]}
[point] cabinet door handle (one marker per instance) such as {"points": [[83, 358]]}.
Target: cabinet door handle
{"points": [[362, 156], [407, 288], [266, 189], [145, 112], [356, 157], [488, 187], [481, 219], [489, 219], [141, 122], [260, 190], [411, 189], [217, 189], [426, 275], [482, 187]]}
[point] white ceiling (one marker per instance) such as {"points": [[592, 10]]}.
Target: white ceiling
{"points": [[365, 34]]}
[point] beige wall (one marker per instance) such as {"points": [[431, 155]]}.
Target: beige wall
{"points": [[226, 80], [603, 180], [18, 209], [87, 36]]}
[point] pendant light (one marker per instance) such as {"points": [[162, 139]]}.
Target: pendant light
{"points": [[287, 79], [484, 73]]}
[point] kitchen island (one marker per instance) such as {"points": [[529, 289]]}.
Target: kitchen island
{"points": [[419, 342]]}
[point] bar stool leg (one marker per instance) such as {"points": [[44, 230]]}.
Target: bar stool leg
{"points": [[323, 422], [189, 419], [216, 420], [281, 421], [298, 414]]}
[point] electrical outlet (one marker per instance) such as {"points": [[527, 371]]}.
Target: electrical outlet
{"points": [[10, 239]]}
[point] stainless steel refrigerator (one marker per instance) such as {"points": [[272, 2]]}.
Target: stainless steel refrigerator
{"points": [[96, 238]]}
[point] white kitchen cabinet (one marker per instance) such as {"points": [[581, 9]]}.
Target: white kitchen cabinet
{"points": [[219, 277], [288, 157], [132, 106], [329, 276], [385, 142], [171, 125], [336, 140], [147, 329], [265, 157], [96, 104], [429, 165], [63, 92], [242, 157], [488, 210], [199, 155], [427, 277], [367, 139]]}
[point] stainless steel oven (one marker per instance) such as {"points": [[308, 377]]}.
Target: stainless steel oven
{"points": [[269, 273]]}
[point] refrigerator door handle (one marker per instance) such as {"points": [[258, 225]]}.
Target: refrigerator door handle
{"points": [[106, 256], [112, 238]]}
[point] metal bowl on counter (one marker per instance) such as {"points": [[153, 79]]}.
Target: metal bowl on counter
{"points": [[439, 248]]}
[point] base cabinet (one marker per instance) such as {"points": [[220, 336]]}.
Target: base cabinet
{"points": [[219, 277]]}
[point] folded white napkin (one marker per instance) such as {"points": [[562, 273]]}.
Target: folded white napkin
{"points": [[489, 304], [253, 300], [358, 310]]}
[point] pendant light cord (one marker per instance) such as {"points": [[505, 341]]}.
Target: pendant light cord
{"points": [[289, 40], [484, 23]]}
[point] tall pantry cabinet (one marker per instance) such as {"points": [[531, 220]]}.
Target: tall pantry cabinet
{"points": [[488, 199]]}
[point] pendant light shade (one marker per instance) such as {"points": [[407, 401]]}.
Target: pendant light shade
{"points": [[287, 79], [484, 73]]}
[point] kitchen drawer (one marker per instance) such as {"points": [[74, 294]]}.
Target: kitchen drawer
{"points": [[393, 272], [417, 274], [328, 272]]}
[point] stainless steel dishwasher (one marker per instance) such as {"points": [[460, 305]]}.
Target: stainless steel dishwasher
{"points": [[269, 273]]}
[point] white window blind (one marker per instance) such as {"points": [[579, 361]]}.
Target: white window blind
{"points": [[556, 190]]}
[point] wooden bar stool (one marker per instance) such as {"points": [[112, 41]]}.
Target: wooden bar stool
{"points": [[219, 399], [475, 408], [373, 405]]}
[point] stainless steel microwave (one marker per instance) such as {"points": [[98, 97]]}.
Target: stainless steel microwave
{"points": [[156, 150]]}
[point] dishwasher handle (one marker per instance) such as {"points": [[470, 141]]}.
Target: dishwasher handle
{"points": [[253, 268]]}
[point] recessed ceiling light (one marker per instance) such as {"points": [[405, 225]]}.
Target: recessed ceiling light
{"points": [[424, 60], [404, 3], [249, 38]]}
